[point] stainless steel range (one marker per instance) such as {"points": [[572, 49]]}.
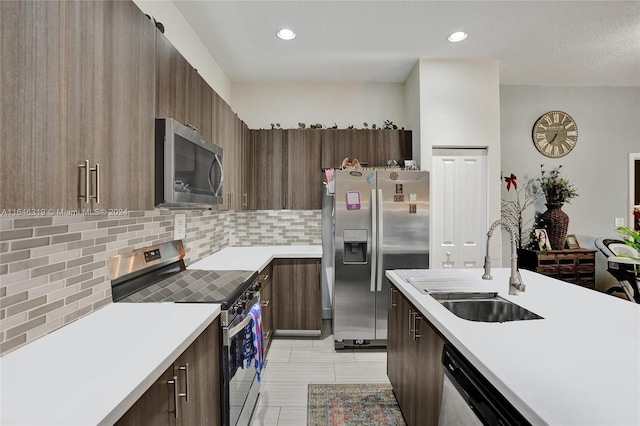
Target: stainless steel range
{"points": [[158, 274]]}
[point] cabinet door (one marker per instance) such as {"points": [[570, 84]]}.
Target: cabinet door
{"points": [[270, 169], [171, 74], [230, 133], [297, 294], [248, 199], [371, 147], [130, 92], [337, 145], [199, 104], [109, 108], [385, 145], [403, 359], [33, 173], [156, 407], [397, 323], [304, 148], [429, 374], [198, 373], [222, 136], [238, 167]]}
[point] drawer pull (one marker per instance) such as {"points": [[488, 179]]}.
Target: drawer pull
{"points": [[176, 395], [185, 368]]}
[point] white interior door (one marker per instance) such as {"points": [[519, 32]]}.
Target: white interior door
{"points": [[459, 207]]}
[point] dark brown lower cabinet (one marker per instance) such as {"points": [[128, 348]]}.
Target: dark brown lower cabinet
{"points": [[414, 364], [193, 382], [298, 294]]}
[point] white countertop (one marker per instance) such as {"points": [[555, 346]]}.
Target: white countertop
{"points": [[253, 258], [91, 371], [580, 365]]}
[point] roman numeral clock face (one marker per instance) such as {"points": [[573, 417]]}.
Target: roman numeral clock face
{"points": [[555, 134]]}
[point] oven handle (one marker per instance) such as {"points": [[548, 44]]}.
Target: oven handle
{"points": [[235, 330]]}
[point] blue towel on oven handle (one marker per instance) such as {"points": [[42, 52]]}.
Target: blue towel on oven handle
{"points": [[258, 338]]}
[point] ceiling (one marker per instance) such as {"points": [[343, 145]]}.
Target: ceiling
{"points": [[567, 43]]}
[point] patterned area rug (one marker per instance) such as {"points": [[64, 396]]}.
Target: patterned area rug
{"points": [[354, 405]]}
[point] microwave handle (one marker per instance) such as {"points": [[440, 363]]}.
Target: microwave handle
{"points": [[217, 190]]}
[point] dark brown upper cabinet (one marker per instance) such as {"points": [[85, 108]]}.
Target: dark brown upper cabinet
{"points": [[304, 174], [230, 133], [182, 94], [371, 147], [78, 84]]}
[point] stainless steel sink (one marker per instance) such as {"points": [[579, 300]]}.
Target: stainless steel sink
{"points": [[483, 307]]}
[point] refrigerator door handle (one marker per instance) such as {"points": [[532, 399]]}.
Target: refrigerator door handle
{"points": [[380, 244], [374, 238]]}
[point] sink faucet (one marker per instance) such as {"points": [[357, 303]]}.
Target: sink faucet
{"points": [[515, 281]]}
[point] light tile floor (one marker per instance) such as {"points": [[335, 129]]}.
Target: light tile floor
{"points": [[293, 363]]}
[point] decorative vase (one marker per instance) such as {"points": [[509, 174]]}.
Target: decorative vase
{"points": [[557, 223]]}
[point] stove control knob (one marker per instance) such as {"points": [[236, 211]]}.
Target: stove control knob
{"points": [[249, 295]]}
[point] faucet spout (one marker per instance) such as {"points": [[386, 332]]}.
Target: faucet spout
{"points": [[515, 280]]}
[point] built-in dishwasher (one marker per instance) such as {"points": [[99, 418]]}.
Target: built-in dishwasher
{"points": [[469, 399]]}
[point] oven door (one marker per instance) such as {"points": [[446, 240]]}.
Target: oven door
{"points": [[240, 385]]}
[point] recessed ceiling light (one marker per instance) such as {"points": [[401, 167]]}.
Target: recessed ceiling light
{"points": [[286, 34], [457, 36]]}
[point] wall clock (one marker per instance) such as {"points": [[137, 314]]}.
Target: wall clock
{"points": [[555, 134]]}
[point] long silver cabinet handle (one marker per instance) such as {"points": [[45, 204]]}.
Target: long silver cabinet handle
{"points": [[87, 181], [176, 395], [416, 318], [393, 292], [185, 368], [245, 199], [97, 196]]}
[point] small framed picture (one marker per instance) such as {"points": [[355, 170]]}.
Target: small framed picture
{"points": [[572, 242], [543, 239]]}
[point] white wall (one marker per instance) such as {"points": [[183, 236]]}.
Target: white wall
{"points": [[412, 107], [460, 107], [182, 36], [608, 120], [344, 103]]}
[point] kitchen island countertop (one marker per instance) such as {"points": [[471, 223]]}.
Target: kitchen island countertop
{"points": [[253, 258], [90, 372], [580, 365]]}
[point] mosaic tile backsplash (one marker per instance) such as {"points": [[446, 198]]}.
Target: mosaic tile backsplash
{"points": [[53, 269]]}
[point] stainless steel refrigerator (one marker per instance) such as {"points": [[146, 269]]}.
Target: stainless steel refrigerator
{"points": [[380, 222]]}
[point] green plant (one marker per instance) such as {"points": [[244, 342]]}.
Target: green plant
{"points": [[301, 125], [554, 186], [631, 238], [388, 125], [275, 126]]}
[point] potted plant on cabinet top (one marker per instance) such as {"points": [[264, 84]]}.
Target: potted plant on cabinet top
{"points": [[557, 190]]}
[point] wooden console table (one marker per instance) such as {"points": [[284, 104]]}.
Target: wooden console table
{"points": [[577, 266]]}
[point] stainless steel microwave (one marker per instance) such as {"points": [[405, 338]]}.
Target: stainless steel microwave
{"points": [[188, 167]]}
